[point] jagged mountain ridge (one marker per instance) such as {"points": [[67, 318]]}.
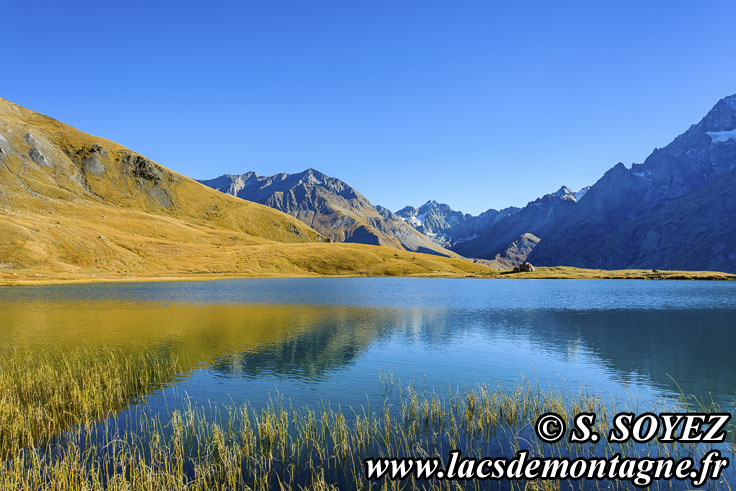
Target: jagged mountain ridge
{"points": [[330, 206], [635, 217], [469, 235], [448, 227]]}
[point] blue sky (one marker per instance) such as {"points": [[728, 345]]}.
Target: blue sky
{"points": [[476, 104]]}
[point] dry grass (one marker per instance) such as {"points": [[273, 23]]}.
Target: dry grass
{"points": [[564, 272], [44, 392], [93, 241], [278, 447]]}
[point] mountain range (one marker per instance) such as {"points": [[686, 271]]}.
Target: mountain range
{"points": [[329, 206], [674, 211], [493, 234], [74, 205], [503, 238], [447, 226]]}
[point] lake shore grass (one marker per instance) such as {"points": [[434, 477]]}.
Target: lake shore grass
{"points": [[27, 278], [44, 392], [67, 439]]}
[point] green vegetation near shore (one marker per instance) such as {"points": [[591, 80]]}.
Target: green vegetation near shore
{"points": [[279, 447]]}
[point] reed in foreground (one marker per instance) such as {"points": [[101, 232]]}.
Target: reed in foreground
{"points": [[45, 392], [280, 447]]}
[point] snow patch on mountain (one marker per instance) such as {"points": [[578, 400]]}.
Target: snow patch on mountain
{"points": [[579, 195], [722, 136]]}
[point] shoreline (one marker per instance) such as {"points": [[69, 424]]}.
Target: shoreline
{"points": [[549, 273]]}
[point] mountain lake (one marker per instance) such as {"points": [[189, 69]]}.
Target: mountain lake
{"points": [[342, 342]]}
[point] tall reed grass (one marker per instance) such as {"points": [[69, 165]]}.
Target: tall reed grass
{"points": [[44, 392], [63, 439]]}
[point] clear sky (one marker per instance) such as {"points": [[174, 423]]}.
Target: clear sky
{"points": [[478, 104]]}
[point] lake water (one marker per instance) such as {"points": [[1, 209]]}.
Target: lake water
{"points": [[317, 341]]}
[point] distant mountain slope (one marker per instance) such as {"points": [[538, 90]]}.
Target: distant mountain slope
{"points": [[330, 206], [648, 216], [537, 218], [693, 232], [76, 206], [448, 227], [514, 254]]}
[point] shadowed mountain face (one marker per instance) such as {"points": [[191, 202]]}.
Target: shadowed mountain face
{"points": [[503, 237], [330, 206], [537, 218], [674, 211], [516, 252]]}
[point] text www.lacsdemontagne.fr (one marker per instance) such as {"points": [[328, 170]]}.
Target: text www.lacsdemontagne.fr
{"points": [[639, 471]]}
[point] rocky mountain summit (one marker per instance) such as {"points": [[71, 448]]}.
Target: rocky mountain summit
{"points": [[330, 206], [493, 233], [673, 211], [448, 227]]}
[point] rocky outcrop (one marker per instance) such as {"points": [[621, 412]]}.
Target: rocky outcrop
{"points": [[523, 268], [526, 267], [516, 252]]}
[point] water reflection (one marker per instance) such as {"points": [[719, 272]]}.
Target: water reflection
{"points": [[338, 349]]}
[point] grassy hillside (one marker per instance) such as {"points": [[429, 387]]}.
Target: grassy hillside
{"points": [[74, 206]]}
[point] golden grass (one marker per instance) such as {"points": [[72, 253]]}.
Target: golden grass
{"points": [[565, 272], [278, 447], [43, 393], [134, 218], [99, 241]]}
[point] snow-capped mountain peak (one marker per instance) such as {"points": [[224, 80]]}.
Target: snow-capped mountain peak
{"points": [[565, 193]]}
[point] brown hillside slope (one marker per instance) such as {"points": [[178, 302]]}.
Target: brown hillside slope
{"points": [[74, 206]]}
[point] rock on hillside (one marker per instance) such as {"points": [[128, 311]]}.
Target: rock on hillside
{"points": [[517, 252]]}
